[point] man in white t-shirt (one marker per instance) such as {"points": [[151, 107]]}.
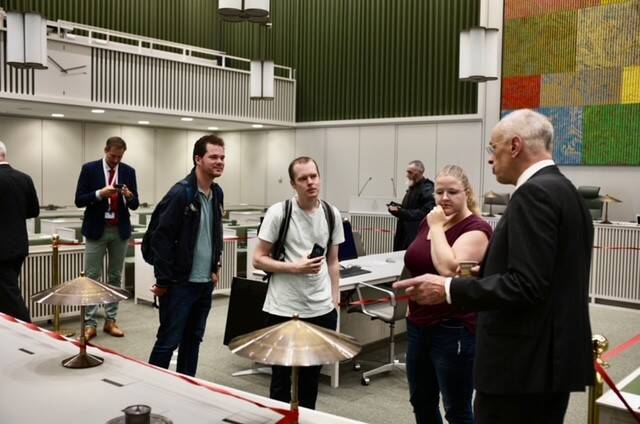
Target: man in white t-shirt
{"points": [[299, 285]]}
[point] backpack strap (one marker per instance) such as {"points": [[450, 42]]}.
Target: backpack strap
{"points": [[277, 250], [188, 191], [331, 223]]}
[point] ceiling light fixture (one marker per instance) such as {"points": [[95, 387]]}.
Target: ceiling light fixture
{"points": [[143, 122], [478, 54], [213, 128], [97, 110], [257, 125], [57, 115], [256, 11], [185, 119]]}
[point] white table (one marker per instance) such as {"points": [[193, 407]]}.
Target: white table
{"points": [[385, 268], [36, 388]]}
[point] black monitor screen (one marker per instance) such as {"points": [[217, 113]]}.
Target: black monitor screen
{"points": [[347, 249]]}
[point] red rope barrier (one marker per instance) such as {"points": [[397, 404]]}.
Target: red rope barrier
{"points": [[611, 384]]}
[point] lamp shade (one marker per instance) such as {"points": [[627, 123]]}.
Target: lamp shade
{"points": [[261, 83], [35, 41], [230, 7], [257, 8], [15, 39], [479, 54]]}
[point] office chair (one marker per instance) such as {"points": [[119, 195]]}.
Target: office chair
{"points": [[357, 238], [389, 312], [591, 197]]}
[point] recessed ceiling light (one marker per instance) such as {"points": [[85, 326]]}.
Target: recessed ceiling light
{"points": [[57, 115], [143, 122], [257, 125], [97, 110], [213, 128], [186, 119]]}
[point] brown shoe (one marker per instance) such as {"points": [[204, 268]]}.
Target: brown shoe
{"points": [[112, 328], [89, 333]]}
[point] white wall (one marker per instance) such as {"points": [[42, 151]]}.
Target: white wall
{"points": [[52, 152]]}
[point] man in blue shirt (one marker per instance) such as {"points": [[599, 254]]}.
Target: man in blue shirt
{"points": [[187, 246]]}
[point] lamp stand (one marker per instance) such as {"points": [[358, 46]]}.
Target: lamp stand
{"points": [[294, 390], [606, 214], [82, 359]]}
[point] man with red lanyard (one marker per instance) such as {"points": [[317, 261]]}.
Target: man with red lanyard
{"points": [[107, 189]]}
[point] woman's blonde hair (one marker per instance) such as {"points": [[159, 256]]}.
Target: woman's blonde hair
{"points": [[458, 173]]}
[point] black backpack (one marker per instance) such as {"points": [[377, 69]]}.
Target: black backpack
{"points": [[147, 252], [277, 250]]}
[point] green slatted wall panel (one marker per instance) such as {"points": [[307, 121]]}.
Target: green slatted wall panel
{"points": [[382, 58], [354, 59]]}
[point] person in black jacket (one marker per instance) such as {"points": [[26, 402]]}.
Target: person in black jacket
{"points": [[417, 202], [187, 246], [18, 201], [533, 337]]}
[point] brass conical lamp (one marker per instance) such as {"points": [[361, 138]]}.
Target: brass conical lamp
{"points": [[82, 291], [489, 198], [295, 343], [606, 199]]}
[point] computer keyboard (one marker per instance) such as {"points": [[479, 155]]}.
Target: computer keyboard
{"points": [[352, 271]]}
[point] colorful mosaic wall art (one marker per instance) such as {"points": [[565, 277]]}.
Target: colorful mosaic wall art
{"points": [[577, 62]]}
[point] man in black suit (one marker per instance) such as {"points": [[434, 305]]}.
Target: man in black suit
{"points": [[533, 343], [417, 202], [18, 201], [107, 188]]}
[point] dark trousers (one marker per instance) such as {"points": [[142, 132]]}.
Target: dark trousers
{"points": [[440, 360], [308, 377], [547, 408], [183, 317], [11, 301]]}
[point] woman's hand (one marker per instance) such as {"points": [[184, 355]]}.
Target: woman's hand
{"points": [[436, 218]]}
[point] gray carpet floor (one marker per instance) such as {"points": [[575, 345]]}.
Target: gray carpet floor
{"points": [[385, 400]]}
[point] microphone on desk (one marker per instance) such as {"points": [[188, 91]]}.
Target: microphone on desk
{"points": [[364, 186], [393, 185]]}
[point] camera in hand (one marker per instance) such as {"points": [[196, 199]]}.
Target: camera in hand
{"points": [[118, 186], [395, 204], [317, 251]]}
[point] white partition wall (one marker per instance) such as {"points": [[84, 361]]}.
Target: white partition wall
{"points": [[62, 152], [341, 177], [230, 180], [254, 168], [461, 144], [170, 159], [141, 150], [415, 142], [95, 138], [281, 149], [377, 160], [24, 148], [52, 152]]}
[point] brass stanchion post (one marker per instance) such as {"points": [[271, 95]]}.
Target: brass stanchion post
{"points": [[55, 280], [600, 345]]}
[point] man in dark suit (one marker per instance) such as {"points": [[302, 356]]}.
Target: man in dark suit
{"points": [[417, 202], [107, 188], [533, 343], [18, 201]]}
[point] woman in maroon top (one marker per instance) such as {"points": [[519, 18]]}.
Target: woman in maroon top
{"points": [[441, 340]]}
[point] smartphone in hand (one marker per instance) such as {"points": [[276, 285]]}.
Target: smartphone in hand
{"points": [[316, 251]]}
